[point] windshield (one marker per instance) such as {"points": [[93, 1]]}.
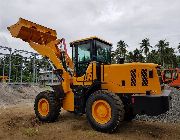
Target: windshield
{"points": [[103, 52], [84, 52]]}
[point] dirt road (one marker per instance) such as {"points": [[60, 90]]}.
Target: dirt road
{"points": [[19, 122]]}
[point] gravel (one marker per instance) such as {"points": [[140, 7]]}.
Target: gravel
{"points": [[172, 116], [10, 95]]}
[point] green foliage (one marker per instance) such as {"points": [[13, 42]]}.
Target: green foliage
{"points": [[135, 56], [120, 51], [20, 64], [161, 46], [145, 46], [161, 53], [178, 48]]}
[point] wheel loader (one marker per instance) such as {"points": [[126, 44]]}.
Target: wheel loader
{"points": [[171, 77], [108, 94]]}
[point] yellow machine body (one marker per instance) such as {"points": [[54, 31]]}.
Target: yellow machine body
{"points": [[124, 78], [131, 78]]}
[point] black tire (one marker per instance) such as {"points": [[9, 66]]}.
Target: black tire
{"points": [[54, 106], [117, 111]]}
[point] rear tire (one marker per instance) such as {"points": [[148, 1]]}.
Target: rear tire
{"points": [[47, 106], [109, 101]]}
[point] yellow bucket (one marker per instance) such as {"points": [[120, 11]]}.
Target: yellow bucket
{"points": [[29, 31]]}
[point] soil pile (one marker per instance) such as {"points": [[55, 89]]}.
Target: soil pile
{"points": [[12, 95]]}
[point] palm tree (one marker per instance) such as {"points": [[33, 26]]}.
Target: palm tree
{"points": [[153, 57], [121, 49], [170, 57], [178, 48], [145, 45], [130, 57], [137, 56], [162, 45]]}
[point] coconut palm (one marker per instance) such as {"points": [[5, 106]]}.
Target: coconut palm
{"points": [[153, 57], [121, 49], [145, 46], [162, 45], [178, 48], [137, 56]]}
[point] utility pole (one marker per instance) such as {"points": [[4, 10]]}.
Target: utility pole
{"points": [[10, 53]]}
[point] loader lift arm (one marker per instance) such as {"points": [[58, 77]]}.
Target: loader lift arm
{"points": [[41, 39], [44, 41]]}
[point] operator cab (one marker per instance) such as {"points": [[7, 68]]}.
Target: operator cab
{"points": [[87, 50]]}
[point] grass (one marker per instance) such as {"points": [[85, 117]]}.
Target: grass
{"points": [[30, 132]]}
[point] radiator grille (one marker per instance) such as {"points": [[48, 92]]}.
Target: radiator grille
{"points": [[133, 77], [144, 77]]}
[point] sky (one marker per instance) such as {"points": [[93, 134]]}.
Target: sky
{"points": [[112, 20]]}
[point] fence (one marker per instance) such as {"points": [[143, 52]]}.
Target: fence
{"points": [[21, 66]]}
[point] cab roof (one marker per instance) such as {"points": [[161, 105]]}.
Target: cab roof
{"points": [[91, 38]]}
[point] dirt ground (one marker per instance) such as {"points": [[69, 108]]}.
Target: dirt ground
{"points": [[19, 122]]}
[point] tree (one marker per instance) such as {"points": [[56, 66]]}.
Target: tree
{"points": [[121, 49], [145, 46], [178, 48], [130, 57], [162, 45], [113, 57], [153, 57], [170, 57], [135, 56], [138, 57]]}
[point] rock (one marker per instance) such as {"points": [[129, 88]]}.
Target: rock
{"points": [[172, 116]]}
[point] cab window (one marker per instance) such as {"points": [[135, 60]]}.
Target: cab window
{"points": [[103, 52]]}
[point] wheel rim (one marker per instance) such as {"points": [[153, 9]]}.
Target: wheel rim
{"points": [[43, 107], [101, 111]]}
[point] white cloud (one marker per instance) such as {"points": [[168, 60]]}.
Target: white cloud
{"points": [[130, 20]]}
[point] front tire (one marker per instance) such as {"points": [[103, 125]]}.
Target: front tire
{"points": [[47, 106], [104, 111]]}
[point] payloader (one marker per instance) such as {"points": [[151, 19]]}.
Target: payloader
{"points": [[89, 84], [171, 77]]}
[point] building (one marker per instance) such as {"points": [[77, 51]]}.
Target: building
{"points": [[47, 78]]}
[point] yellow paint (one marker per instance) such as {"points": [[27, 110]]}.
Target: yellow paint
{"points": [[43, 107], [29, 31], [88, 77], [115, 73], [68, 102], [101, 111]]}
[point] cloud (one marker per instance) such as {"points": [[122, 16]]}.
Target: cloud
{"points": [[130, 20]]}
